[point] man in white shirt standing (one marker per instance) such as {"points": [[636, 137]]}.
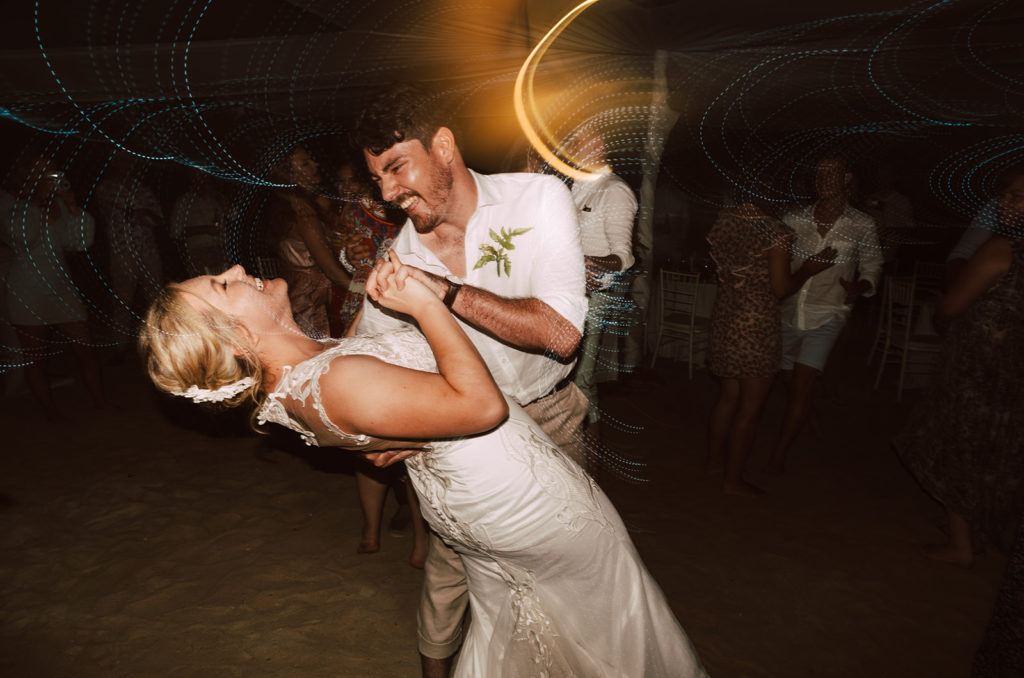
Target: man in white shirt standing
{"points": [[813, 317], [503, 253], [607, 209]]}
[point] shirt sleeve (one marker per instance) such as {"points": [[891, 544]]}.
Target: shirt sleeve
{"points": [[973, 237], [559, 278], [616, 208]]}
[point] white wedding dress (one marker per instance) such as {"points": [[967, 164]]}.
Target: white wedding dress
{"points": [[556, 587]]}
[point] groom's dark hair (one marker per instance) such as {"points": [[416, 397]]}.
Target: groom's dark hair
{"points": [[401, 112]]}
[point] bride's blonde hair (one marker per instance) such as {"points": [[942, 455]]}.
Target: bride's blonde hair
{"points": [[183, 346]]}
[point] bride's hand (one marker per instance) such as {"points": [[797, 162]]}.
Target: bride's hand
{"points": [[394, 286]]}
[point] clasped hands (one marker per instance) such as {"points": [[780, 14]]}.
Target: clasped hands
{"points": [[390, 276]]}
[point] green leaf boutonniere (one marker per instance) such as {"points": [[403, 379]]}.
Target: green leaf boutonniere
{"points": [[499, 254]]}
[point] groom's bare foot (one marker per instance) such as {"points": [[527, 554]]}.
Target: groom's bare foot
{"points": [[741, 488], [946, 553]]}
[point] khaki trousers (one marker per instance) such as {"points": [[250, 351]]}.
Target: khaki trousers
{"points": [[445, 595]]}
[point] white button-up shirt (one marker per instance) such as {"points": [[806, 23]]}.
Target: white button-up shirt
{"points": [[607, 207], [822, 297], [546, 263]]}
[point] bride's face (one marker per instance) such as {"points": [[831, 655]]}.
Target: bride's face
{"points": [[236, 293]]}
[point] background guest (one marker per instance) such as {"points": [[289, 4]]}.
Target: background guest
{"points": [[41, 221], [363, 227], [197, 223], [814, 316], [751, 252], [985, 222], [964, 442], [606, 210], [298, 217]]}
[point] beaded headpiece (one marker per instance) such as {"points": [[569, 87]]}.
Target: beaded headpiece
{"points": [[205, 395]]}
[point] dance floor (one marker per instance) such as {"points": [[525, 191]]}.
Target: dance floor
{"points": [[149, 541]]}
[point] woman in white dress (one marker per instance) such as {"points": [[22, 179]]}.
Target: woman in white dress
{"points": [[556, 586]]}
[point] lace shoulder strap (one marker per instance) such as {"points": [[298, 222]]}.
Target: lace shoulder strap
{"points": [[406, 348]]}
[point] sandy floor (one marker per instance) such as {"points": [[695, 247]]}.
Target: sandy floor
{"points": [[149, 541]]}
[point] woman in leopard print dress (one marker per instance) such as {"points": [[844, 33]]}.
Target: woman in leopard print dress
{"points": [[750, 249]]}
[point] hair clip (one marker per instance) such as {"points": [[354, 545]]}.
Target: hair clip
{"points": [[205, 395]]}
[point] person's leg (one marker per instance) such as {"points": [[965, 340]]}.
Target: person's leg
{"points": [[372, 494], [589, 348], [443, 602], [751, 398], [420, 533], [403, 513], [81, 346], [811, 349], [33, 343], [801, 388], [959, 550], [720, 423]]}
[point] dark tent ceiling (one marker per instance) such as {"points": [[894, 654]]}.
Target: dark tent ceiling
{"points": [[758, 87]]}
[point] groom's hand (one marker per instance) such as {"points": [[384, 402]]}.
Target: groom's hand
{"points": [[389, 457]]}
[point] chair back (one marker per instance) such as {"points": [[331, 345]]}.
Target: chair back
{"points": [[908, 314], [929, 277], [679, 297]]}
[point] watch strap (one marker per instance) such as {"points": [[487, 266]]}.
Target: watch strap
{"points": [[453, 291]]}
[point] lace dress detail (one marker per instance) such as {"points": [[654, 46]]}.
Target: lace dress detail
{"points": [[302, 382], [556, 587]]}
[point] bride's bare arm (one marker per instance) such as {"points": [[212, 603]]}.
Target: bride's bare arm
{"points": [[362, 394]]}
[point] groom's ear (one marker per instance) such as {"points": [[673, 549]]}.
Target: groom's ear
{"points": [[443, 145]]}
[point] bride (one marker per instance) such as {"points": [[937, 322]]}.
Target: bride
{"points": [[556, 587]]}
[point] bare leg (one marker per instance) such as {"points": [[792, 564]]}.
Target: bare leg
{"points": [[420, 534], [33, 343], [403, 514], [436, 668], [752, 395], [801, 388], [81, 345], [372, 494], [959, 550], [720, 423]]}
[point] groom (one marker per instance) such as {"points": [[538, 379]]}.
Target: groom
{"points": [[503, 253]]}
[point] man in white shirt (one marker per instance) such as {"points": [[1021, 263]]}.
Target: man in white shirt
{"points": [[813, 317], [503, 253], [607, 209]]}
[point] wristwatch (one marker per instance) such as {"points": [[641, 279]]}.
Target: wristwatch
{"points": [[453, 291]]}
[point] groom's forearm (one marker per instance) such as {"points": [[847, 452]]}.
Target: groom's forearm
{"points": [[529, 324]]}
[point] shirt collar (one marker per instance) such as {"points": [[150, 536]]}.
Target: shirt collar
{"points": [[486, 194]]}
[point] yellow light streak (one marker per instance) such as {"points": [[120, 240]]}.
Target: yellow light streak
{"points": [[523, 99]]}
